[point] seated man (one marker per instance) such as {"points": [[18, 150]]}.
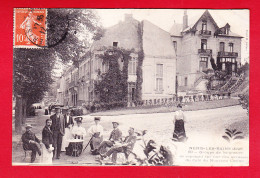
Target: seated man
{"points": [[31, 142], [115, 136], [126, 147]]}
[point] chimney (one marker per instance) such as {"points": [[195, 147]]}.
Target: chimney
{"points": [[128, 17], [185, 20]]}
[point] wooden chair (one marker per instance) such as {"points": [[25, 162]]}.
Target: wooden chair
{"points": [[26, 151]]}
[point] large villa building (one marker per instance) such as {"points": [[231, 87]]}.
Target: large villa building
{"points": [[158, 64], [196, 41], [184, 54]]}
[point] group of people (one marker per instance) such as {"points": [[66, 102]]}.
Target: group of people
{"points": [[60, 128]]}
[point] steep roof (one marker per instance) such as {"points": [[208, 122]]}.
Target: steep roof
{"points": [[231, 34], [195, 21], [125, 33], [156, 41], [214, 16], [176, 29]]}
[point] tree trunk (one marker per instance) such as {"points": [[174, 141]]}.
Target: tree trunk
{"points": [[18, 115], [24, 108]]}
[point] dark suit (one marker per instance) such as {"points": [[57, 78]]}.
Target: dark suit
{"points": [[127, 149], [27, 137], [115, 135], [47, 137], [58, 130], [69, 122]]}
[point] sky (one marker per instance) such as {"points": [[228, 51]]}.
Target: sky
{"points": [[165, 18]]}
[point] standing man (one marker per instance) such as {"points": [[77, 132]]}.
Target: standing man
{"points": [[58, 129], [47, 136], [96, 132], [50, 106], [47, 140], [68, 127], [31, 142], [115, 136], [126, 147]]}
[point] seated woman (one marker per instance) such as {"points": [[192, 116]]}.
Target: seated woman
{"points": [[78, 132]]}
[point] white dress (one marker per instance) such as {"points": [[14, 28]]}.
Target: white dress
{"points": [[76, 130], [66, 137]]}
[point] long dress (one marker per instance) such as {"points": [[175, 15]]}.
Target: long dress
{"points": [[97, 132], [179, 130], [65, 139], [67, 135]]}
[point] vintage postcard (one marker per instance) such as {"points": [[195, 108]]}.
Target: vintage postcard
{"points": [[130, 87]]}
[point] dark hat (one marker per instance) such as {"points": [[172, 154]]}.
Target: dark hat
{"points": [[78, 119], [97, 118], [115, 123], [179, 106]]}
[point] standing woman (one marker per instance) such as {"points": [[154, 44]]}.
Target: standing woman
{"points": [[178, 121], [68, 127]]}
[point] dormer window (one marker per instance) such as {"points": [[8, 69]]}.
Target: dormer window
{"points": [[115, 44], [204, 26], [227, 29]]}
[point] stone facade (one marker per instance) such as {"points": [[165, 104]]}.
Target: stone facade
{"points": [[158, 68], [195, 44]]}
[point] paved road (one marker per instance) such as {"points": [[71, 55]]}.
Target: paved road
{"points": [[203, 126]]}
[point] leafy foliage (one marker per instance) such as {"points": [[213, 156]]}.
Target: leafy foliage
{"points": [[71, 32], [243, 69], [69, 35], [112, 87], [32, 74], [232, 135], [244, 101], [139, 70]]}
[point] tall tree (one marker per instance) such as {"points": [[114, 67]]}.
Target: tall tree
{"points": [[31, 79], [69, 36]]}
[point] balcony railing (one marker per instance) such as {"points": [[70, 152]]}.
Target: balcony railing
{"points": [[227, 54], [205, 32], [207, 52]]}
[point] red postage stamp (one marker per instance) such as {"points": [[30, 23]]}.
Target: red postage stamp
{"points": [[30, 28]]}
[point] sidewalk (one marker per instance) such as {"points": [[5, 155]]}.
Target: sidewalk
{"points": [[38, 123], [164, 109]]}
